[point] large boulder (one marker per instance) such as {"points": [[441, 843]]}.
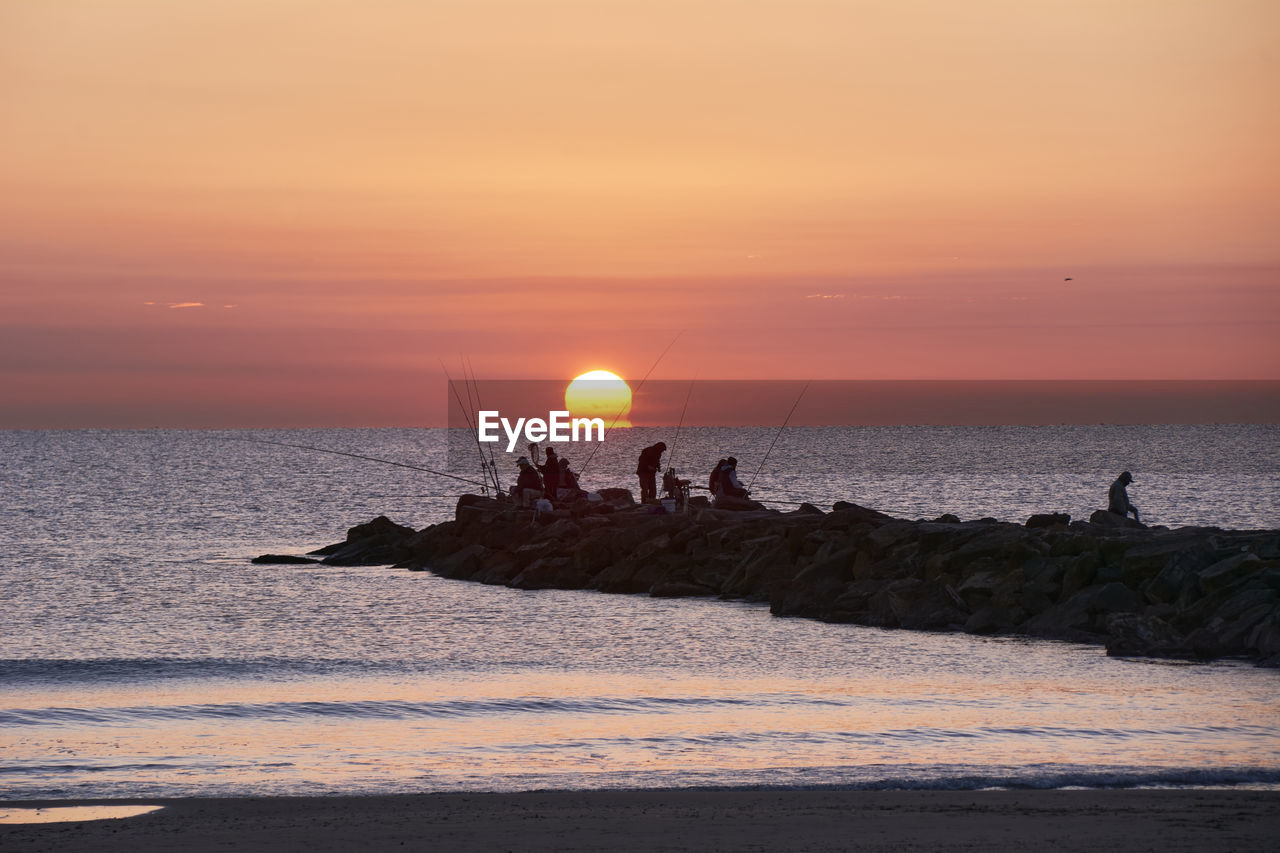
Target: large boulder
{"points": [[282, 559], [1148, 636], [375, 543], [1105, 518]]}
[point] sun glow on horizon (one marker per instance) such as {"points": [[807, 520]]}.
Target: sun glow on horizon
{"points": [[599, 394]]}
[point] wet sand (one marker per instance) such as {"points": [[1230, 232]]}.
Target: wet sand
{"points": [[1131, 820]]}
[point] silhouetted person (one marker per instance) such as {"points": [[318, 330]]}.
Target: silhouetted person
{"points": [[647, 470], [728, 483], [550, 473], [569, 489], [1118, 497], [713, 482], [674, 487], [528, 487]]}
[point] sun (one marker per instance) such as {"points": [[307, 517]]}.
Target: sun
{"points": [[599, 394]]}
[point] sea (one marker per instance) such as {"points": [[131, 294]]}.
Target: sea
{"points": [[142, 653]]}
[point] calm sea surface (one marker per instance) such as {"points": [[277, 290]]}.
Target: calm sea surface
{"points": [[142, 654]]}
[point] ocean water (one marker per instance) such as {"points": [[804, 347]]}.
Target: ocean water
{"points": [[141, 654]]}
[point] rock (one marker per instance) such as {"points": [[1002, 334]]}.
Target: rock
{"points": [[1192, 591], [282, 559], [496, 569], [1079, 573], [1084, 615], [992, 619], [947, 518], [1103, 518], [462, 563], [1178, 579], [374, 543], [1149, 636], [736, 504], [850, 513], [1225, 572], [551, 573], [679, 589], [379, 527], [618, 498]]}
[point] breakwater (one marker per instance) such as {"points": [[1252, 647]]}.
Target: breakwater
{"points": [[1195, 592]]}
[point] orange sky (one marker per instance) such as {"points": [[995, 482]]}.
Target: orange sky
{"points": [[859, 190]]}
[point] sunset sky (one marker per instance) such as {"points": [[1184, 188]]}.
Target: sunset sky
{"points": [[286, 212]]}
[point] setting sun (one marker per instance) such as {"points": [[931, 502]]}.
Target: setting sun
{"points": [[599, 394]]}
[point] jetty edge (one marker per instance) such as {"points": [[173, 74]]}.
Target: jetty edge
{"points": [[1197, 593]]}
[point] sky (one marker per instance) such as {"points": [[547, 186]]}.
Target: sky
{"points": [[288, 212]]}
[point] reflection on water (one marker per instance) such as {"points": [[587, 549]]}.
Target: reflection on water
{"points": [[144, 655], [622, 691]]}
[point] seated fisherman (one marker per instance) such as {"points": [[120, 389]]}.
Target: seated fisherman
{"points": [[713, 482], [1118, 497], [727, 483], [528, 487], [569, 489]]}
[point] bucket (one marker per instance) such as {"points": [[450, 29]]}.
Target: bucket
{"points": [[669, 504]]}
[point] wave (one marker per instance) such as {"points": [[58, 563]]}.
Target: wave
{"points": [[108, 670], [154, 779], [382, 709]]}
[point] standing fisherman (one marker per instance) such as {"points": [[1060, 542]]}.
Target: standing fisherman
{"points": [[551, 473], [647, 470]]}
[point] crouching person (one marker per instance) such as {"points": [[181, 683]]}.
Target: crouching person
{"points": [[528, 487]]}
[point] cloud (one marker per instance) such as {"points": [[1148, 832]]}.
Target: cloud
{"points": [[186, 305], [825, 296], [230, 306]]}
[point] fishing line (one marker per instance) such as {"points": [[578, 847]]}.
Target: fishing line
{"points": [[617, 417], [778, 434], [470, 427], [353, 456], [493, 465], [676, 441]]}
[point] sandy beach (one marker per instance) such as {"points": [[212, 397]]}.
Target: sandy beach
{"points": [[1130, 820]]}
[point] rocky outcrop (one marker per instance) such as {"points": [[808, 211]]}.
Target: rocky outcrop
{"points": [[375, 543], [282, 559], [1191, 592]]}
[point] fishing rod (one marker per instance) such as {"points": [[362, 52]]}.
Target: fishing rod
{"points": [[471, 405], [778, 434], [467, 417], [353, 456], [493, 465], [617, 417], [675, 442]]}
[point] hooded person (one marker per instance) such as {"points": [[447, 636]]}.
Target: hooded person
{"points": [[1118, 497], [647, 470], [528, 487], [728, 482], [569, 489], [713, 481]]}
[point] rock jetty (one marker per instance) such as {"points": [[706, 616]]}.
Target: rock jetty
{"points": [[1194, 592]]}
